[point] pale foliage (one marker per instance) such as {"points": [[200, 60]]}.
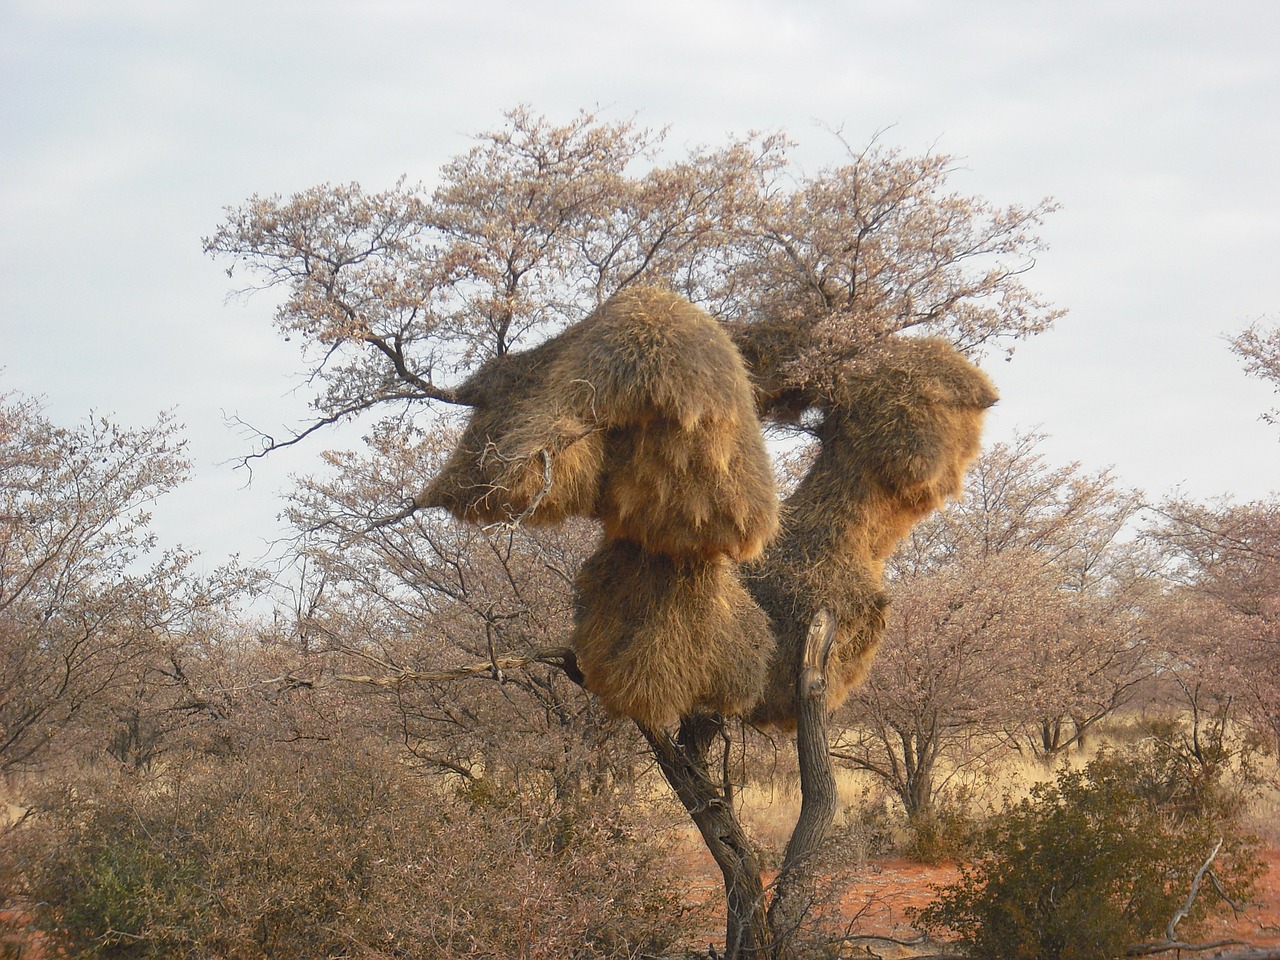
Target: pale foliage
{"points": [[1219, 623], [397, 294], [1259, 348], [91, 613]]}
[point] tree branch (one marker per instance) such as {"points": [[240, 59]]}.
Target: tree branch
{"points": [[562, 658]]}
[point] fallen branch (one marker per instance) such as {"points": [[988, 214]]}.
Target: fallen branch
{"points": [[1169, 933], [1164, 946], [915, 941]]}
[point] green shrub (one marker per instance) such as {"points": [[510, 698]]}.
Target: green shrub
{"points": [[1084, 867]]}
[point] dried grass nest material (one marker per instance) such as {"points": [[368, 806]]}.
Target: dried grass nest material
{"points": [[894, 448], [849, 589], [641, 415], [513, 443], [658, 639]]}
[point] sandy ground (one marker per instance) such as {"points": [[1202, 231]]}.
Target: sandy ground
{"points": [[876, 899]]}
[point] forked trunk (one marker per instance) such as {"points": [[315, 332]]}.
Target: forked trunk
{"points": [[794, 897], [684, 764], [751, 931]]}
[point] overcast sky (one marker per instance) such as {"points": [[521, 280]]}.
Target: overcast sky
{"points": [[127, 125]]}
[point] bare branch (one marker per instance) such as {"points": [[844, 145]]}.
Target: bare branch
{"points": [[1195, 889]]}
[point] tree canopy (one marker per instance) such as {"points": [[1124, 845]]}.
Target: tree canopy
{"points": [[398, 294]]}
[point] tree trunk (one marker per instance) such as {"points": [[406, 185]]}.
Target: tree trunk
{"points": [[793, 898], [684, 763], [751, 932], [918, 796], [1050, 736]]}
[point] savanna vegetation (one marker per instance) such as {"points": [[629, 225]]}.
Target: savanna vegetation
{"points": [[412, 751]]}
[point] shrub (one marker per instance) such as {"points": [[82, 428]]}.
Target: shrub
{"points": [[944, 833], [306, 852], [1084, 867], [862, 832], [1190, 772]]}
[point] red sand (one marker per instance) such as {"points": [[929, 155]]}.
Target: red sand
{"points": [[878, 897]]}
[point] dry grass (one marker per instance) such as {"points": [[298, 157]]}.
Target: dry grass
{"points": [[1262, 815]]}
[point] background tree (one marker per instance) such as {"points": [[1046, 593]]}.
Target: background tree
{"points": [[287, 815], [1219, 622], [1014, 619], [92, 619], [1084, 654], [1259, 348]]}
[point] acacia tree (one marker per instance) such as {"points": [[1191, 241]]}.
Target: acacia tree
{"points": [[1219, 621], [399, 294], [92, 620], [1259, 348], [1013, 620], [1084, 652]]}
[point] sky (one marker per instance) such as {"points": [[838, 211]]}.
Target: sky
{"points": [[127, 127]]}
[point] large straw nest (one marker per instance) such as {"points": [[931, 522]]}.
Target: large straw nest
{"points": [[658, 639], [894, 447], [640, 415], [520, 456], [686, 473]]}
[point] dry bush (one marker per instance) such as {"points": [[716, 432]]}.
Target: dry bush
{"points": [[310, 850]]}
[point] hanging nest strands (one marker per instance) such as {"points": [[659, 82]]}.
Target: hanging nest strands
{"points": [[520, 458], [686, 471], [899, 429], [792, 594], [659, 638]]}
